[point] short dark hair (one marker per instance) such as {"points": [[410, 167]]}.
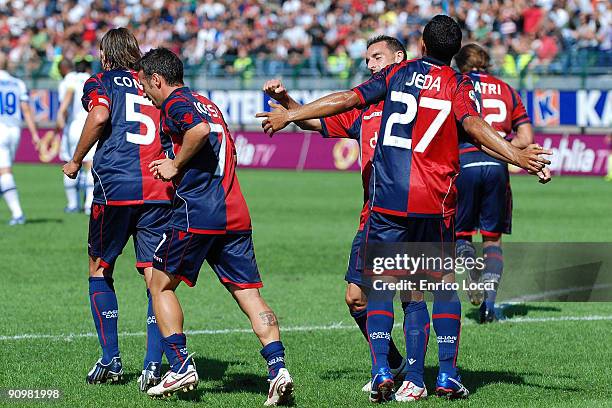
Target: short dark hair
{"points": [[442, 37], [472, 56], [120, 49], [83, 65], [66, 63], [393, 43], [163, 62]]}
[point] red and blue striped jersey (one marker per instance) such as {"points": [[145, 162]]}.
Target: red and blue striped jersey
{"points": [[208, 197], [362, 125], [416, 159], [500, 106], [129, 143]]}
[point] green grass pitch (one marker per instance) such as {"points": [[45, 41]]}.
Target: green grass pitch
{"points": [[303, 227]]}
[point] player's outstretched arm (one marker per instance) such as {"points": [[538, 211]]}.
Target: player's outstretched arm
{"points": [[63, 110], [92, 132], [328, 105], [193, 140], [529, 158], [524, 136], [29, 120], [275, 89]]}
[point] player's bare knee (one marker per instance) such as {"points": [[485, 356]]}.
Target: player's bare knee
{"points": [[96, 270], [355, 298], [491, 241], [355, 303], [5, 170]]}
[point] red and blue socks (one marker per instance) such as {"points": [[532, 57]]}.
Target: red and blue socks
{"points": [[105, 314], [395, 357], [154, 337], [379, 326], [447, 324], [274, 354], [175, 348], [416, 331], [494, 267]]}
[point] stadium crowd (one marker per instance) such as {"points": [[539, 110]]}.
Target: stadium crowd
{"points": [[308, 37]]}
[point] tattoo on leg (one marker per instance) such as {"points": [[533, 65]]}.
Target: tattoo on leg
{"points": [[268, 318]]}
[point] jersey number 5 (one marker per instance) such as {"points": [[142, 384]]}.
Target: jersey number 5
{"points": [[442, 106], [131, 100]]}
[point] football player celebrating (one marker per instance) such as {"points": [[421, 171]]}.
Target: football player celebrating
{"points": [[210, 221], [412, 193], [484, 199], [361, 125], [128, 201]]}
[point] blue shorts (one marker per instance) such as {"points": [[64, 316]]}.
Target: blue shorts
{"points": [[484, 200], [355, 267], [231, 257], [390, 228], [111, 226]]}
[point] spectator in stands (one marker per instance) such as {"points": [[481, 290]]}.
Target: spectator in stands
{"points": [[287, 36]]}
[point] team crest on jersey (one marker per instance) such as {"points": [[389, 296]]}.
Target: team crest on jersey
{"points": [[96, 211], [181, 235], [188, 118], [546, 107]]}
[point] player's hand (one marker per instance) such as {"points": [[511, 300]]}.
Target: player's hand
{"points": [[275, 89], [163, 169], [530, 158], [544, 175], [275, 120], [71, 169]]}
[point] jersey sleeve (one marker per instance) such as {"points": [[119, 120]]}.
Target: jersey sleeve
{"points": [[374, 89], [183, 115], [343, 125], [464, 100], [519, 113], [24, 95], [95, 94]]}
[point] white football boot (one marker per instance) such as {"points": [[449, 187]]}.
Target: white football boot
{"points": [[172, 382], [409, 392], [281, 389]]}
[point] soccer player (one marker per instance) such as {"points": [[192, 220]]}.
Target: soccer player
{"points": [[210, 221], [128, 201], [412, 193], [71, 118], [362, 125], [14, 102], [484, 199]]}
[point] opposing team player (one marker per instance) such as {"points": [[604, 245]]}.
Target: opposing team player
{"points": [[128, 201], [14, 102], [71, 118], [362, 125], [484, 196], [210, 221], [412, 192]]}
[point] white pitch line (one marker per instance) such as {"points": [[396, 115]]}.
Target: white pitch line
{"points": [[329, 327]]}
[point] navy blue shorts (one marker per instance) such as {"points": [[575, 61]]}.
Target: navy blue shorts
{"points": [[390, 228], [231, 257], [111, 226], [484, 200], [355, 267]]}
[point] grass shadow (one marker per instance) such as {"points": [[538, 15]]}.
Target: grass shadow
{"points": [[216, 370], [512, 310]]}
